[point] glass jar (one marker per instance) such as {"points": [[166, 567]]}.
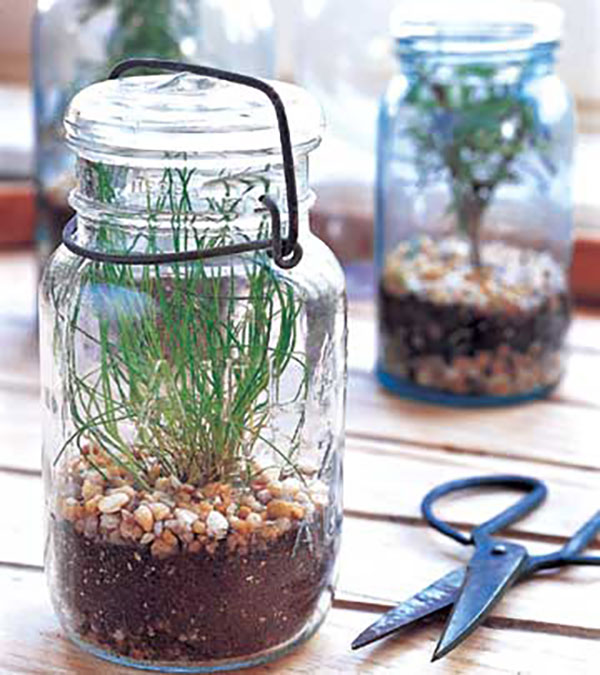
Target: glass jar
{"points": [[194, 408], [473, 205], [76, 41]]}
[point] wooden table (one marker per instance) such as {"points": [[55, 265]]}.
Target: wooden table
{"points": [[396, 451]]}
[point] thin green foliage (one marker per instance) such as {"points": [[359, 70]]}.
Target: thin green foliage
{"points": [[189, 355]]}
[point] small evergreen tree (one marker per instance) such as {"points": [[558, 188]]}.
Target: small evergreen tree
{"points": [[479, 133]]}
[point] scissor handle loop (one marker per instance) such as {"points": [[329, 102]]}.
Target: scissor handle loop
{"points": [[535, 490]]}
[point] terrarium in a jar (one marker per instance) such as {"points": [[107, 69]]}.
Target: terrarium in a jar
{"points": [[193, 360], [473, 205]]}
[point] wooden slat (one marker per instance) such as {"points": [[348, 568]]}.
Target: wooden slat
{"points": [[31, 643], [585, 275], [379, 559], [18, 327], [20, 430], [546, 432], [21, 520], [389, 480], [18, 280], [580, 384], [585, 331], [19, 362], [17, 212]]}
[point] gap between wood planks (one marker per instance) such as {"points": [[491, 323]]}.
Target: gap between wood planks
{"points": [[21, 471]]}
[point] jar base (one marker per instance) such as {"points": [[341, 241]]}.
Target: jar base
{"points": [[409, 390], [224, 665]]}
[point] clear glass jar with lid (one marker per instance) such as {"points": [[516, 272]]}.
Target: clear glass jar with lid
{"points": [[193, 365], [473, 204]]}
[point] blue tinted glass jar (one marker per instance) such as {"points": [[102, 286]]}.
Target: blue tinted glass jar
{"points": [[473, 205]]}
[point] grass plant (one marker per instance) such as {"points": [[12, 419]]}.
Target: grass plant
{"points": [[188, 356]]}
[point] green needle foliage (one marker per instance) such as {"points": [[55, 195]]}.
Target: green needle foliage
{"points": [[474, 130], [189, 355]]}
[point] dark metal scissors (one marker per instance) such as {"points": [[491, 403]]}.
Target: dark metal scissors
{"points": [[473, 591]]}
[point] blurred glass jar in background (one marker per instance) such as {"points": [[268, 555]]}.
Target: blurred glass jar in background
{"points": [[348, 75], [75, 42], [473, 241]]}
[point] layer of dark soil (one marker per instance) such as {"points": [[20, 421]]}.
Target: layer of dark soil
{"points": [[189, 606], [419, 327]]}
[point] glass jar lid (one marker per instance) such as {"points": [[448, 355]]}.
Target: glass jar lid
{"points": [[162, 117], [464, 26]]}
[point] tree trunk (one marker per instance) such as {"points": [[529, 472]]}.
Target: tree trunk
{"points": [[471, 216]]}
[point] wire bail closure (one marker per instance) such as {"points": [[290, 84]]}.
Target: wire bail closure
{"points": [[285, 251]]}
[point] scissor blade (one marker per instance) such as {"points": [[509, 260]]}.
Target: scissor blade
{"points": [[439, 595], [492, 570]]}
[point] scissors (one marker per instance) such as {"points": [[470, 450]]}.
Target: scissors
{"points": [[473, 591]]}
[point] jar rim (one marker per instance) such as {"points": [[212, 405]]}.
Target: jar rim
{"points": [[475, 27]]}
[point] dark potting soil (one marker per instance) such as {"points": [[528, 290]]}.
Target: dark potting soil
{"points": [[189, 606], [419, 327]]}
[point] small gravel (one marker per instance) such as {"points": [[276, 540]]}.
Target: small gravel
{"points": [[174, 516], [217, 525], [113, 503]]}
